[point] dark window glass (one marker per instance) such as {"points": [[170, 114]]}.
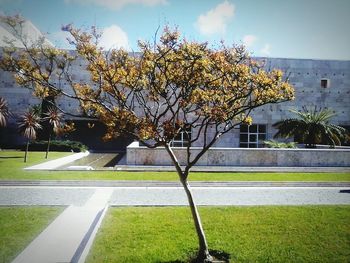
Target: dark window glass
{"points": [[253, 128], [244, 128], [243, 137], [177, 137], [182, 138], [262, 137], [177, 144], [262, 128], [252, 137], [324, 83]]}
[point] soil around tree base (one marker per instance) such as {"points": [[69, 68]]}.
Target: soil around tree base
{"points": [[218, 256]]}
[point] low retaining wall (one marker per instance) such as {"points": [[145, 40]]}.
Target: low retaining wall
{"points": [[140, 155]]}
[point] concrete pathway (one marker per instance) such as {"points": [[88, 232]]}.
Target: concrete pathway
{"points": [[149, 196], [54, 164], [66, 239], [149, 183], [225, 196]]}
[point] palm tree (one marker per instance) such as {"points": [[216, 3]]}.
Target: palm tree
{"points": [[28, 125], [311, 127], [4, 112], [54, 117]]}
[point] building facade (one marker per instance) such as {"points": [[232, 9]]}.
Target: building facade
{"points": [[317, 83]]}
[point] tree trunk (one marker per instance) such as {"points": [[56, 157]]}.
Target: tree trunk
{"points": [[25, 155], [203, 253], [48, 146]]}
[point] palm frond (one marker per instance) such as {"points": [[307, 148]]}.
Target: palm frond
{"points": [[54, 116], [28, 124], [311, 127], [4, 112]]}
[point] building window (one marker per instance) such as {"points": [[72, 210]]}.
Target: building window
{"points": [[252, 136], [325, 83], [181, 139]]}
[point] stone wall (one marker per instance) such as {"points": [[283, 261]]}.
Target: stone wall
{"points": [[139, 155]]}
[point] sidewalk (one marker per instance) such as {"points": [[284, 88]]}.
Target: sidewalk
{"points": [[69, 237], [54, 164], [119, 183]]}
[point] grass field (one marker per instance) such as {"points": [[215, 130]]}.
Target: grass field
{"points": [[20, 225], [11, 168], [248, 234]]}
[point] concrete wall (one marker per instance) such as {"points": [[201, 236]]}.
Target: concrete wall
{"points": [[138, 155]]}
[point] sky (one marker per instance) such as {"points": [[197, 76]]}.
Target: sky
{"points": [[316, 29]]}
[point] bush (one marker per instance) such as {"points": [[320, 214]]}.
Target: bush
{"points": [[57, 146], [275, 144]]}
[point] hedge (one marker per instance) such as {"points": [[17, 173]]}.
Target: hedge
{"points": [[57, 146]]}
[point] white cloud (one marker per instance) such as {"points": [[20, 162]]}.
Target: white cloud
{"points": [[249, 40], [216, 20], [114, 37], [266, 50], [117, 4], [59, 39]]}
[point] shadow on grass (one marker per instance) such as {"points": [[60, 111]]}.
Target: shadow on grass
{"points": [[11, 157], [218, 255]]}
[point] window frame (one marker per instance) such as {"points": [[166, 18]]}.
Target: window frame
{"points": [[257, 131], [181, 141]]}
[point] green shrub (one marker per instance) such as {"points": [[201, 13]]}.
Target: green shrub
{"points": [[57, 146], [275, 144]]}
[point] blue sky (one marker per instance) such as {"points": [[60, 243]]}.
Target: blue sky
{"points": [[277, 28]]}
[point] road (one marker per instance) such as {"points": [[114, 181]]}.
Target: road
{"points": [[149, 196]]}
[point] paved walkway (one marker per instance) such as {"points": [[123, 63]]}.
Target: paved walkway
{"points": [[149, 196], [54, 164], [148, 183], [66, 239]]}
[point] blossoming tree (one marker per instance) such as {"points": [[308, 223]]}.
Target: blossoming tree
{"points": [[170, 87]]}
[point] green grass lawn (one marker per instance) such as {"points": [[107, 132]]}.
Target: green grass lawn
{"points": [[11, 168], [20, 225], [248, 234]]}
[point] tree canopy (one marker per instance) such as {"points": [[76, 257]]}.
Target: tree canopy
{"points": [[168, 87]]}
